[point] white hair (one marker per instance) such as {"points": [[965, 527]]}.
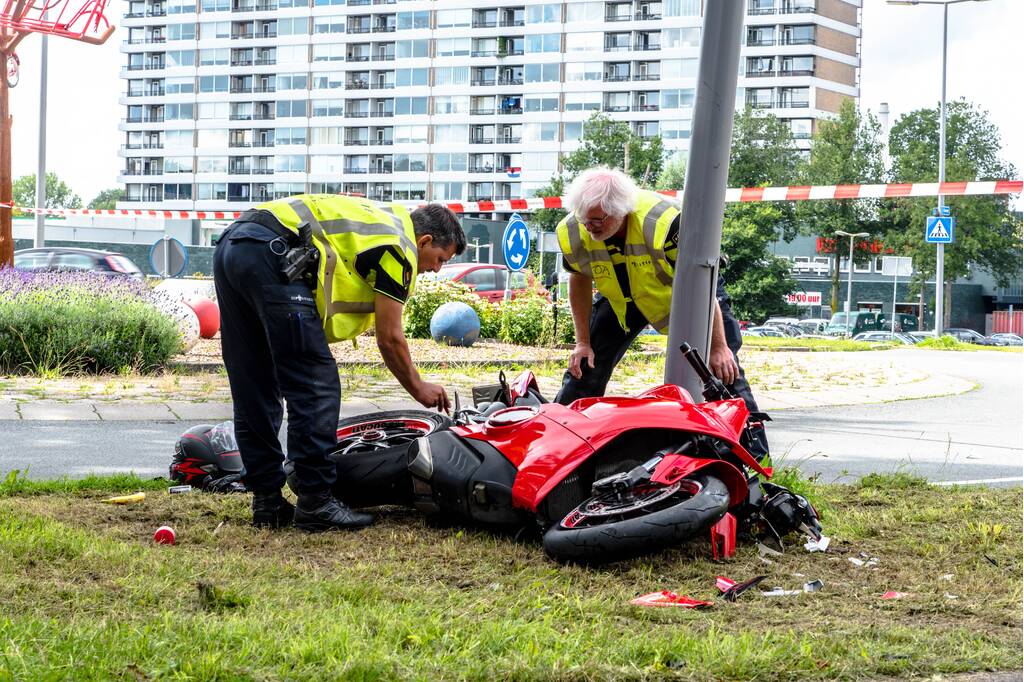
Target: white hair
{"points": [[611, 190]]}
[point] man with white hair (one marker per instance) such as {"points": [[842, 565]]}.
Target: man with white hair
{"points": [[623, 241]]}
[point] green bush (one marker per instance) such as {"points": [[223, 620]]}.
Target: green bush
{"points": [[944, 342], [490, 319], [428, 296], [524, 319], [67, 323], [559, 329]]}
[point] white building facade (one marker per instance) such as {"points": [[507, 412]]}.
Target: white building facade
{"points": [[233, 102]]}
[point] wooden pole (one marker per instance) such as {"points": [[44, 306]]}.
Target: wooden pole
{"points": [[6, 190]]}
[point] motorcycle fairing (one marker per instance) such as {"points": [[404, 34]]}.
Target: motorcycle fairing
{"points": [[550, 446], [674, 467]]}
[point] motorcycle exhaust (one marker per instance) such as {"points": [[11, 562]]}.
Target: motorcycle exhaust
{"points": [[421, 466]]}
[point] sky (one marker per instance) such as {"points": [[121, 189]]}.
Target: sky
{"points": [[901, 55]]}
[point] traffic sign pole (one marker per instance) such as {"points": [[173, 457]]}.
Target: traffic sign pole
{"points": [[940, 249]]}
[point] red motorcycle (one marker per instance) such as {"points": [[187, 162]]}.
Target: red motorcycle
{"points": [[602, 479]]}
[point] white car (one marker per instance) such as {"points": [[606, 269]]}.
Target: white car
{"points": [[813, 325], [1007, 339], [878, 337], [764, 331]]}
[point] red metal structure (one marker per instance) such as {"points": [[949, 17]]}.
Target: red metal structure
{"points": [[74, 19]]}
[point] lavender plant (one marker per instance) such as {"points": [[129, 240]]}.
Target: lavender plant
{"points": [[54, 323]]}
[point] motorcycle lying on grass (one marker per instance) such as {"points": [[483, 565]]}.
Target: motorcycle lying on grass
{"points": [[601, 479]]}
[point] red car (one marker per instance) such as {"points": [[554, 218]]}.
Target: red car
{"points": [[488, 280]]}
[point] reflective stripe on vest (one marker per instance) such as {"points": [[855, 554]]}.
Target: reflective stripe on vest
{"points": [[649, 272], [344, 227]]}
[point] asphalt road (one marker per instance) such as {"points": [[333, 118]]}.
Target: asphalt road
{"points": [[977, 436]]}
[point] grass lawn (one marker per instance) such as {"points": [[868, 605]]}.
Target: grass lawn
{"points": [[86, 595]]}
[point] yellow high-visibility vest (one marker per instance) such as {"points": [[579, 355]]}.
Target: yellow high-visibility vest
{"points": [[344, 227], [650, 273]]}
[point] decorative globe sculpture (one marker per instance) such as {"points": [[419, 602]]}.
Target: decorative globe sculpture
{"points": [[455, 324], [208, 314]]}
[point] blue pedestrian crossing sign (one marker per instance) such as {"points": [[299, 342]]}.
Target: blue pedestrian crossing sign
{"points": [[515, 243], [939, 229]]}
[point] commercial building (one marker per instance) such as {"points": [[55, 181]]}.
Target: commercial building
{"points": [[233, 102]]}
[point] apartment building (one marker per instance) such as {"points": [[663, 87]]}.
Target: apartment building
{"points": [[233, 102]]}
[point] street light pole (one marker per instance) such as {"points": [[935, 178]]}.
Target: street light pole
{"points": [[940, 249], [849, 278]]}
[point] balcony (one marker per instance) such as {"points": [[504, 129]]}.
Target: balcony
{"points": [[647, 47], [384, 143], [646, 107], [509, 140], [797, 9], [384, 57], [514, 52], [510, 81], [156, 12], [242, 61], [239, 143], [759, 104], [263, 171], [617, 17], [616, 77], [509, 110], [647, 16], [236, 89], [243, 36], [357, 114], [477, 111], [359, 29], [485, 23], [483, 81], [482, 169], [481, 140], [357, 85], [239, 171], [797, 72], [264, 116], [760, 42], [385, 28], [615, 107], [647, 76], [134, 15], [481, 197], [797, 40], [760, 11], [266, 61], [357, 143], [508, 23], [358, 58], [483, 53], [793, 104], [240, 117], [264, 88], [155, 66], [611, 47], [356, 171]]}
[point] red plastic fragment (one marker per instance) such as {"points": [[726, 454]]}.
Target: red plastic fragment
{"points": [[724, 584], [666, 598], [723, 532], [895, 595]]}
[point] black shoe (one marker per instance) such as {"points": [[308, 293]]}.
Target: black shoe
{"points": [[271, 510], [319, 512]]}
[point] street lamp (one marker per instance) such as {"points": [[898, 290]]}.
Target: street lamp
{"points": [[849, 279], [940, 249]]}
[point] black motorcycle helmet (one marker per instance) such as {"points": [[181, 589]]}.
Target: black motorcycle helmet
{"points": [[205, 455]]}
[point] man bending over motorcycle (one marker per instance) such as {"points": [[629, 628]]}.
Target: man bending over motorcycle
{"points": [[623, 241]]}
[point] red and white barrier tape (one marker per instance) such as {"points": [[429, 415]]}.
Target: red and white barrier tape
{"points": [[748, 194]]}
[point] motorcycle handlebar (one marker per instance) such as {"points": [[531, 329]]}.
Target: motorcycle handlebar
{"points": [[713, 389]]}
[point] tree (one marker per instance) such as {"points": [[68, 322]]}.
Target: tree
{"points": [[672, 175], [762, 153], [987, 235], [845, 150], [603, 143], [58, 194], [107, 199]]}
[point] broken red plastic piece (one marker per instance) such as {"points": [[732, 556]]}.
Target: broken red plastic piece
{"points": [[666, 598], [723, 532], [731, 589], [895, 595]]}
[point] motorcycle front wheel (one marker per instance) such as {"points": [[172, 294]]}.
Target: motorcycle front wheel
{"points": [[648, 518], [372, 468]]}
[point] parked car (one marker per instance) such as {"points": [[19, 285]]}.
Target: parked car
{"points": [[969, 336], [859, 322], [488, 280], [921, 336], [763, 331], [1007, 339], [815, 325], [83, 260], [780, 320], [885, 337], [787, 329], [904, 322]]}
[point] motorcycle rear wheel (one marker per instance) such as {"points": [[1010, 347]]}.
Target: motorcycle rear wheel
{"points": [[372, 468], [608, 528]]}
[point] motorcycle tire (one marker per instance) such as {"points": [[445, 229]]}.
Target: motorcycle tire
{"points": [[375, 472], [649, 531]]}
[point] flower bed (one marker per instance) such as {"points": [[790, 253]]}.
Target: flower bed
{"points": [[55, 323]]}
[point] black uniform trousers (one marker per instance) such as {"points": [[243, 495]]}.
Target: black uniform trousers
{"points": [[274, 348], [610, 342]]}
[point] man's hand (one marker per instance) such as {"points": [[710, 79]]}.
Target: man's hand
{"points": [[582, 352], [432, 395], [723, 364]]}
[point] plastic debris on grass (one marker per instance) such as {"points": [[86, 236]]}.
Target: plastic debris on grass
{"points": [[731, 589], [819, 545], [895, 595], [125, 499], [812, 586], [864, 561], [667, 598]]}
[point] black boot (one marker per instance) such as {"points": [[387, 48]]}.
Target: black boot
{"points": [[271, 510], [318, 512]]}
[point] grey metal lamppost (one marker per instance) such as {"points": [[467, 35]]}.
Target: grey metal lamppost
{"points": [[849, 279]]}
